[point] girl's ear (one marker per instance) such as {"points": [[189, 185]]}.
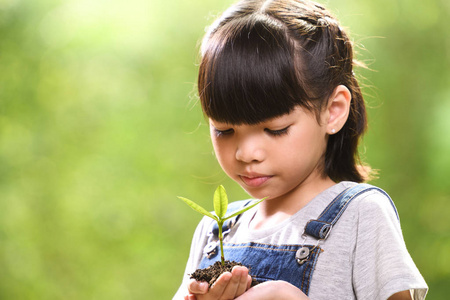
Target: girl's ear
{"points": [[338, 109]]}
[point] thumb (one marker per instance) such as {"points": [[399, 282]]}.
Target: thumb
{"points": [[198, 287]]}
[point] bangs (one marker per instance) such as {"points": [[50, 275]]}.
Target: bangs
{"points": [[247, 74]]}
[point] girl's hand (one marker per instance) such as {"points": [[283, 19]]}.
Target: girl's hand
{"points": [[270, 290], [228, 286]]}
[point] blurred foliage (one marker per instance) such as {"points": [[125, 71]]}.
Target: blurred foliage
{"points": [[100, 131]]}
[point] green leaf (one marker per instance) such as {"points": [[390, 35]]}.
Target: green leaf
{"points": [[244, 209], [198, 208], [220, 201]]}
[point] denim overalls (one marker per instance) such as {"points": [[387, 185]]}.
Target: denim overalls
{"points": [[292, 263]]}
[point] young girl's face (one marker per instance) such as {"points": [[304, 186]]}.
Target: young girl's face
{"points": [[274, 158]]}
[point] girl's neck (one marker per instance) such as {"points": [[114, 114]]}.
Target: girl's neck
{"points": [[274, 211]]}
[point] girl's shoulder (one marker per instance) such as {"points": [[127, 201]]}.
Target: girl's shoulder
{"points": [[355, 208], [363, 197], [349, 196], [348, 208], [370, 200], [371, 213]]}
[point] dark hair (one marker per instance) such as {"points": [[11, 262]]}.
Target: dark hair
{"points": [[261, 59]]}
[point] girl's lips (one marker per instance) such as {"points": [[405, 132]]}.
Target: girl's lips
{"points": [[254, 181]]}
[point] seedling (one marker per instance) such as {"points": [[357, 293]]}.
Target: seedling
{"points": [[220, 209]]}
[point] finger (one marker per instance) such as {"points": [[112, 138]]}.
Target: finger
{"points": [[233, 286], [218, 288], [243, 282], [198, 287], [249, 281]]}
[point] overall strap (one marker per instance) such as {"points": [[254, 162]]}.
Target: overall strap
{"points": [[320, 228]]}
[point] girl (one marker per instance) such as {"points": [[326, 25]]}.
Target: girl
{"points": [[286, 113]]}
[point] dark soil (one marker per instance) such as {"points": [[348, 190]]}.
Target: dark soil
{"points": [[211, 273]]}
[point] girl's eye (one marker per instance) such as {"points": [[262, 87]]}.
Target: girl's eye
{"points": [[277, 132], [220, 133]]}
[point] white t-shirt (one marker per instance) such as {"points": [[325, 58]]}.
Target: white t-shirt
{"points": [[364, 256]]}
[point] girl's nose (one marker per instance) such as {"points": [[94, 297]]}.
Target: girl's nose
{"points": [[250, 152]]}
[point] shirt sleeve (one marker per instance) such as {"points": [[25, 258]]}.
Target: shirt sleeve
{"points": [[382, 264], [195, 255]]}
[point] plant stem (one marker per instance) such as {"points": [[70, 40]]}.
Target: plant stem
{"points": [[222, 256]]}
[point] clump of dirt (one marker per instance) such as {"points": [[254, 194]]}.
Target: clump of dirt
{"points": [[211, 274]]}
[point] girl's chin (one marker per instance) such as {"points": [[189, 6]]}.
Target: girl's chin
{"points": [[256, 193]]}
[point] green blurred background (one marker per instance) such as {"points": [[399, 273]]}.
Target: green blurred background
{"points": [[100, 130]]}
